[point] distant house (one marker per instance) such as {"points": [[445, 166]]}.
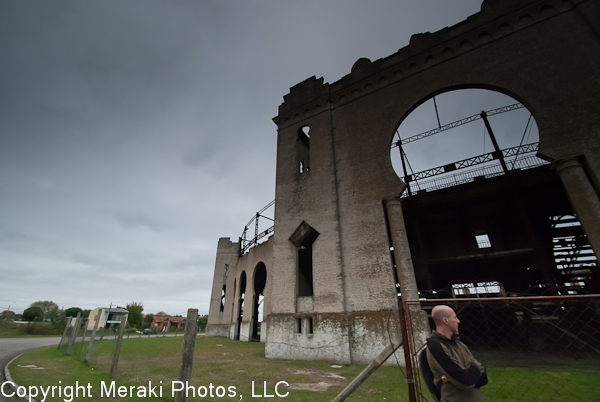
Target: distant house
{"points": [[108, 317], [178, 322], [7, 315], [166, 323]]}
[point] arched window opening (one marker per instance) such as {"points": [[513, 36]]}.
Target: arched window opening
{"points": [[233, 301], [303, 148], [223, 293], [481, 205], [303, 238], [461, 136], [242, 294], [260, 280]]}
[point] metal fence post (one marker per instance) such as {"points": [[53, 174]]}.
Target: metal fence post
{"points": [[113, 368], [187, 352], [404, 322]]}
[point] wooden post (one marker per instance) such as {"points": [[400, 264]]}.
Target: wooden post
{"points": [[72, 338], [104, 327], [65, 332], [370, 369], [187, 352], [93, 338], [113, 368], [83, 326]]}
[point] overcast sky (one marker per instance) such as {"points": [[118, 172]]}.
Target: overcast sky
{"points": [[134, 134]]}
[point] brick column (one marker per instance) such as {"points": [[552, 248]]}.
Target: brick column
{"points": [[419, 327], [583, 197], [404, 265]]}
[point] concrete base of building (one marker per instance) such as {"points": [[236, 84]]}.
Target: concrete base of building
{"points": [[341, 338]]}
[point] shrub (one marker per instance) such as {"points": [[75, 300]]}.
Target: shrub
{"points": [[41, 328]]}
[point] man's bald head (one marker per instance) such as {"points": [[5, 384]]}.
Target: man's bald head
{"points": [[439, 313]]}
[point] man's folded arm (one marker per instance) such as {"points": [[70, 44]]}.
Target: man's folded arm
{"points": [[461, 378]]}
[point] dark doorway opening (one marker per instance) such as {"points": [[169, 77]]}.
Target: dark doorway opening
{"points": [[260, 280], [242, 294]]}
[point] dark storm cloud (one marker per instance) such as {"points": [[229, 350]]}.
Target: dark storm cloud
{"points": [[134, 134]]}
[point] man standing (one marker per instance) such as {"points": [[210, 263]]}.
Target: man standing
{"points": [[456, 372]]}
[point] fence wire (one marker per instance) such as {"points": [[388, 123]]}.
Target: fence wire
{"points": [[534, 348], [143, 357]]}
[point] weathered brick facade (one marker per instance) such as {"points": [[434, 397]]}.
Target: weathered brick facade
{"points": [[338, 195]]}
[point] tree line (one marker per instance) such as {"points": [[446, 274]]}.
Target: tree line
{"points": [[48, 311]]}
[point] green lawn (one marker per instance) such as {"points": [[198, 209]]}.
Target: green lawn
{"points": [[225, 363], [9, 329]]}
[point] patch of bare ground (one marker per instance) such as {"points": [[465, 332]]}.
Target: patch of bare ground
{"points": [[317, 380]]}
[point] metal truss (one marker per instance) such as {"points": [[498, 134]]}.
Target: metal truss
{"points": [[245, 244], [461, 122]]}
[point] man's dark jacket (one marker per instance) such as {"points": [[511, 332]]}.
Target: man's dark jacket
{"points": [[464, 375]]}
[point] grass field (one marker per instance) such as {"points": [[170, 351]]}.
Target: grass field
{"points": [[9, 329], [225, 363]]}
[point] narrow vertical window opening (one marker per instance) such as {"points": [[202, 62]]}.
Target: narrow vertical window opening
{"points": [[303, 148], [303, 238], [298, 325], [223, 292], [310, 325]]}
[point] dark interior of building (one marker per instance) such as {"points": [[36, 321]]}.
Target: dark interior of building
{"points": [[510, 234]]}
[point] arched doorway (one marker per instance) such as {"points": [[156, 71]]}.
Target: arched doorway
{"points": [[240, 315], [260, 280]]}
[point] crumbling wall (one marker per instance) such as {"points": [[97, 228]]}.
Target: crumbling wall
{"points": [[220, 311], [225, 323]]}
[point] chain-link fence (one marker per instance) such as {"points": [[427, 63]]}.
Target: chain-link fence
{"points": [[534, 348]]}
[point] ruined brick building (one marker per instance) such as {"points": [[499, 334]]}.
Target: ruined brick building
{"points": [[348, 236]]}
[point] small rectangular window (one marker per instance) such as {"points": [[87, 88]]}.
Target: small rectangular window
{"points": [[298, 325], [483, 241], [310, 325]]}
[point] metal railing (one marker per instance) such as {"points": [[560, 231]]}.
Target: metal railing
{"points": [[450, 180]]}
